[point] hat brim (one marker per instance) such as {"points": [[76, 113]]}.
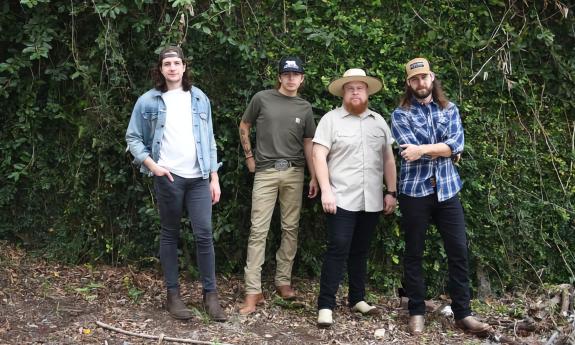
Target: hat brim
{"points": [[336, 86], [295, 70]]}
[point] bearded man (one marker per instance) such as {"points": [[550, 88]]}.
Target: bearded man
{"points": [[428, 129], [352, 156]]}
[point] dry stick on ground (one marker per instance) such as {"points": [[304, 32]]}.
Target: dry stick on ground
{"points": [[161, 337], [565, 298]]}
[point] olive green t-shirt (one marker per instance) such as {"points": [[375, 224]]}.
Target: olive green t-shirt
{"points": [[281, 124]]}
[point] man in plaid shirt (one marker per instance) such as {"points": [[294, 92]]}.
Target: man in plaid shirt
{"points": [[428, 129]]}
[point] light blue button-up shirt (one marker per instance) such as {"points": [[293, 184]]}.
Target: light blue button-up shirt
{"points": [[146, 129]]}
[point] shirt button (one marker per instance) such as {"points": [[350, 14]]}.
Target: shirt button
{"points": [[157, 142]]}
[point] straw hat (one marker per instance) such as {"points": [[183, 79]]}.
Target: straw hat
{"points": [[354, 74]]}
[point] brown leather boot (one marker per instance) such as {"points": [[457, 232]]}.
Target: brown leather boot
{"points": [[416, 324], [472, 325], [213, 308], [250, 303], [176, 306], [286, 292]]}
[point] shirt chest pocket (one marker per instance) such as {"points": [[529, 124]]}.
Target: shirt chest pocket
{"points": [[346, 140], [150, 120], [376, 139], [150, 115], [442, 126], [419, 127]]}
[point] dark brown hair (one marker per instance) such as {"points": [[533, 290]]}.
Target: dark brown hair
{"points": [[159, 80], [436, 92], [279, 84]]}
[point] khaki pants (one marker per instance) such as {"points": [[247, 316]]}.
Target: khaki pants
{"points": [[267, 185]]}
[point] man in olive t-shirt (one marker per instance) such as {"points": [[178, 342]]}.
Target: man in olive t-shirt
{"points": [[285, 128]]}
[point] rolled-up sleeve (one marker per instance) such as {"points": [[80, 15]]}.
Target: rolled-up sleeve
{"points": [[455, 137]]}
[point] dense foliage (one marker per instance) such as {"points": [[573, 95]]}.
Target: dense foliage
{"points": [[70, 72]]}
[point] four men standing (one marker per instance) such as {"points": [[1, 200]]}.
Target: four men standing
{"points": [[171, 137]]}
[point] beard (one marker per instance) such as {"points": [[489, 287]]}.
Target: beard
{"points": [[422, 93], [355, 108]]}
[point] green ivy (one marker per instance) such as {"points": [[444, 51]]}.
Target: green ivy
{"points": [[71, 71]]}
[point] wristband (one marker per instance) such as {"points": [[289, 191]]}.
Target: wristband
{"points": [[393, 194]]}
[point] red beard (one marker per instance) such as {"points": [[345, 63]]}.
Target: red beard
{"points": [[355, 108]]}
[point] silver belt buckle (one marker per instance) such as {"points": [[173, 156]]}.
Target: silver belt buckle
{"points": [[281, 165]]}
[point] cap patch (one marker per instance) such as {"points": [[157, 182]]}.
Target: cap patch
{"points": [[415, 65], [291, 64]]}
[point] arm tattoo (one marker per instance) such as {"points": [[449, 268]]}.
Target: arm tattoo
{"points": [[245, 139]]}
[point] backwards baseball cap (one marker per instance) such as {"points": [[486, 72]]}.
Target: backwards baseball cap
{"points": [[290, 64], [171, 51], [417, 66]]}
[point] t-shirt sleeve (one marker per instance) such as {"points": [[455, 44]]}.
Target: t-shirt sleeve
{"points": [[324, 132], [252, 111], [310, 127]]}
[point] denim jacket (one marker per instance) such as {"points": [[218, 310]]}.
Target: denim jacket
{"points": [[146, 129]]}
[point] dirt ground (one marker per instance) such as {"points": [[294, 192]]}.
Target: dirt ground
{"points": [[47, 303]]}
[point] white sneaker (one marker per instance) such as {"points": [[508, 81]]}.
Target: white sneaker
{"points": [[364, 308], [324, 318]]}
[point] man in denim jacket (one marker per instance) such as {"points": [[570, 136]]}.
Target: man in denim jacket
{"points": [[171, 137]]}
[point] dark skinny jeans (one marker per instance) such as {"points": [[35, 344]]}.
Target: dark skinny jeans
{"points": [[193, 195], [348, 238], [416, 214]]}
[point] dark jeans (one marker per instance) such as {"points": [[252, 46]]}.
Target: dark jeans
{"points": [[194, 195], [348, 238], [416, 214]]}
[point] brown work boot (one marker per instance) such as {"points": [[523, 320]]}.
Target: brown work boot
{"points": [[250, 303], [416, 324], [286, 292], [213, 308], [176, 306], [472, 325]]}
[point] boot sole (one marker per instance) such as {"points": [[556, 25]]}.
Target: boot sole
{"points": [[181, 317]]}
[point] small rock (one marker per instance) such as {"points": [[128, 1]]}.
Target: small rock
{"points": [[446, 311], [379, 333]]}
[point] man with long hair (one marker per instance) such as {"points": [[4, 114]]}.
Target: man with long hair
{"points": [[171, 137], [352, 156], [428, 129], [284, 129]]}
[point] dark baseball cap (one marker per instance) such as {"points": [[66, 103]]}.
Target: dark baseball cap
{"points": [[290, 64]]}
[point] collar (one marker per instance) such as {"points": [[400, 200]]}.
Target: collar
{"points": [[416, 103], [343, 113], [158, 93]]}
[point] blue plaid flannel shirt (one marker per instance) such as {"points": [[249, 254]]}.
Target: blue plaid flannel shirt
{"points": [[429, 124]]}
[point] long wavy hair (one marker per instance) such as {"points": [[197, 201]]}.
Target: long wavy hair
{"points": [[436, 92], [158, 78]]}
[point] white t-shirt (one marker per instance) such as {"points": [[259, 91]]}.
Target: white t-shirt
{"points": [[178, 149]]}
